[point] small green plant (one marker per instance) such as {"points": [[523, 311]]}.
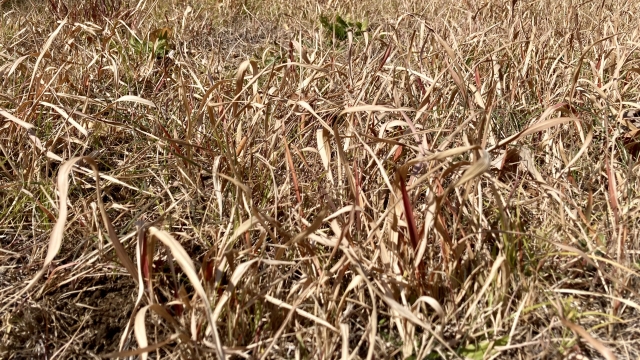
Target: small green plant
{"points": [[158, 43], [479, 351], [341, 27]]}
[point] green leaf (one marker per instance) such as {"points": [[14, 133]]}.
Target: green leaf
{"points": [[341, 27], [478, 351], [341, 21]]}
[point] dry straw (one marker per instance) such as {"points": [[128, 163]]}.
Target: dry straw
{"points": [[448, 181]]}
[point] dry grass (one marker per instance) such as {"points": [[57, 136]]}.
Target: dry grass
{"points": [[232, 179]]}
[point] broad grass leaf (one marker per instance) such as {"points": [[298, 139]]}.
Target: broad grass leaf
{"points": [[301, 50], [308, 107], [17, 121], [66, 116], [583, 149], [380, 108], [233, 282], [245, 226], [434, 304], [301, 312], [140, 331], [494, 271], [533, 129], [343, 210], [597, 344], [324, 149], [135, 99], [478, 168], [240, 74], [17, 63], [45, 48], [186, 264]]}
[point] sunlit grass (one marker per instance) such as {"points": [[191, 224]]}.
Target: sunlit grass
{"points": [[318, 180]]}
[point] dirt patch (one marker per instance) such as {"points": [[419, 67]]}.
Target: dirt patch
{"points": [[85, 319]]}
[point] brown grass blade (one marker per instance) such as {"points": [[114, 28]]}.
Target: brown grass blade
{"points": [[533, 129], [187, 266], [292, 170], [46, 47], [345, 163], [66, 116], [324, 149], [240, 74], [233, 282], [612, 189], [602, 349], [143, 351], [135, 99], [302, 313], [408, 211], [17, 121], [583, 149], [478, 168], [378, 108]]}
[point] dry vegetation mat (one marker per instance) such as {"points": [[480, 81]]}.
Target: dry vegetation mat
{"points": [[319, 180]]}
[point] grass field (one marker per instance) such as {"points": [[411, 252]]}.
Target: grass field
{"points": [[319, 180]]}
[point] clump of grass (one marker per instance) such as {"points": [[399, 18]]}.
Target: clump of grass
{"points": [[219, 180], [158, 44]]}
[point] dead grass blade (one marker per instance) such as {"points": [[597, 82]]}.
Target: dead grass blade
{"points": [[245, 226], [378, 108], [435, 305], [143, 351], [187, 266], [602, 349], [135, 99], [478, 168], [238, 273], [240, 74], [612, 189], [46, 47], [66, 116], [308, 107], [17, 121], [345, 163], [494, 271], [582, 150], [533, 129], [141, 332], [599, 346], [301, 312], [408, 210], [324, 149]]}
